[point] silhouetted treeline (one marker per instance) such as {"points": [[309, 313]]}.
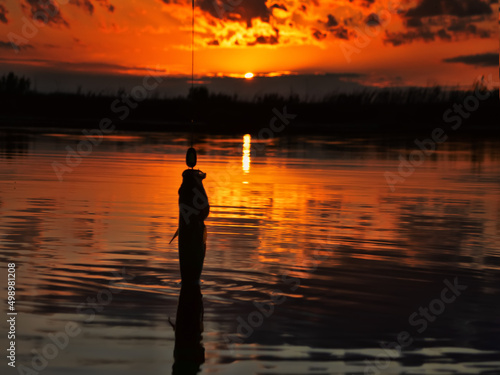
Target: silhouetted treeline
{"points": [[377, 109], [12, 84]]}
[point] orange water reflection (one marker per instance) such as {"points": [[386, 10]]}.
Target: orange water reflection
{"points": [[122, 201], [306, 199]]}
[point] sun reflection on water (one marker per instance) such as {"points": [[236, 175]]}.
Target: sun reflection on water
{"points": [[247, 139]]}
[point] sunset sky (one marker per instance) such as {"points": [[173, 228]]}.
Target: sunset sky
{"points": [[369, 42]]}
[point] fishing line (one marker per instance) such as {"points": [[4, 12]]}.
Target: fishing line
{"points": [[191, 157], [192, 74]]}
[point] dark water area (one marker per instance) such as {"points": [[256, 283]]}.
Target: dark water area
{"points": [[325, 255]]}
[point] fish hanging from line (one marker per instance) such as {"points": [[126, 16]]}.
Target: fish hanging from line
{"points": [[193, 210]]}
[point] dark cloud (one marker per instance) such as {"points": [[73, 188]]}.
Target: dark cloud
{"points": [[332, 26], [372, 20], [9, 45], [318, 34], [443, 35], [214, 42], [363, 3], [89, 7], [426, 34], [3, 14], [414, 22], [447, 20], [458, 8], [279, 6], [367, 3], [397, 39], [44, 11], [5, 45], [88, 66], [106, 4], [341, 33], [266, 39], [481, 59], [459, 26], [246, 10], [64, 66], [331, 22], [84, 4], [48, 11]]}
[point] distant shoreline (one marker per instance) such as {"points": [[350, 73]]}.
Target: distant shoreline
{"points": [[380, 111]]}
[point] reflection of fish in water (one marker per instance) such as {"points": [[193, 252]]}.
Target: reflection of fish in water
{"points": [[193, 210], [189, 352]]}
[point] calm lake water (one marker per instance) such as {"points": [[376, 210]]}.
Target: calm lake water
{"points": [[313, 264]]}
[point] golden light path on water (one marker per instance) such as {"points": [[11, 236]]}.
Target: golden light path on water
{"points": [[247, 140]]}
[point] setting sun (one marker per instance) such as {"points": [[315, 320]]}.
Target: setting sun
{"points": [[249, 75]]}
